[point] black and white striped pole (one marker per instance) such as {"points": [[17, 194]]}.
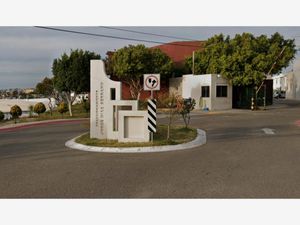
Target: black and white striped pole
{"points": [[151, 83], [152, 117]]}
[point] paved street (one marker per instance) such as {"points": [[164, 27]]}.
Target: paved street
{"points": [[247, 155]]}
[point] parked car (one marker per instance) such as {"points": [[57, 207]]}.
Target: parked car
{"points": [[279, 94]]}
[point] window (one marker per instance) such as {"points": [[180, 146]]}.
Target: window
{"points": [[112, 94], [221, 91], [205, 91]]}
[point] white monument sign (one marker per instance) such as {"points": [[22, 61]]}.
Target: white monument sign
{"points": [[111, 117], [151, 82]]}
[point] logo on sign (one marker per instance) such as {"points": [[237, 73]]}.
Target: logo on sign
{"points": [[151, 82]]}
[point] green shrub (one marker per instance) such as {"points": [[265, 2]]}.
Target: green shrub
{"points": [[39, 108], [184, 107], [62, 108], [1, 116], [162, 100], [143, 104], [30, 109], [15, 112], [86, 105]]}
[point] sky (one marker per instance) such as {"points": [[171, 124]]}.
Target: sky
{"points": [[27, 53]]}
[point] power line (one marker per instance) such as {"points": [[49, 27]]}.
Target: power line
{"points": [[147, 33], [114, 37]]}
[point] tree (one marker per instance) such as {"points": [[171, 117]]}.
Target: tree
{"points": [[62, 108], [46, 88], [72, 74], [1, 116], [169, 103], [130, 63], [245, 59], [184, 108], [39, 108], [15, 112], [15, 93]]}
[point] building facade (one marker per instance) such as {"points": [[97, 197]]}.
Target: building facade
{"points": [[210, 91]]}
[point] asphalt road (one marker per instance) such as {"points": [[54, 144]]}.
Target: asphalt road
{"points": [[239, 161]]}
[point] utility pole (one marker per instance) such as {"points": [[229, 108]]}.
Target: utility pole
{"points": [[193, 62]]}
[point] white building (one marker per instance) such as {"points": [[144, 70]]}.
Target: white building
{"points": [[210, 91], [293, 85], [280, 82], [293, 82]]}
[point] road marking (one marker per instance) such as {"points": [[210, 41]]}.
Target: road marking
{"points": [[268, 131]]}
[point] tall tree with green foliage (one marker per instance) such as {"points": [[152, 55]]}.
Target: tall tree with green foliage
{"points": [[244, 59], [72, 74], [131, 62]]}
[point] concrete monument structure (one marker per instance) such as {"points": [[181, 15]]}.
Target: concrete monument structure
{"points": [[111, 117]]}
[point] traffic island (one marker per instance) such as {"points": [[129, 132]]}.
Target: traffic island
{"points": [[181, 138]]}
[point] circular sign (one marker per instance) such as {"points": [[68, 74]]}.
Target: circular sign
{"points": [[151, 82]]}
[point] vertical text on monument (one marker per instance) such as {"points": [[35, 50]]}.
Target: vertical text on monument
{"points": [[101, 108], [97, 108]]}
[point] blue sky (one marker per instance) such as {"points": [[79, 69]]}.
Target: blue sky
{"points": [[27, 53]]}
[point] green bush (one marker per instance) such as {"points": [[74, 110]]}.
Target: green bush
{"points": [[86, 105], [15, 112], [62, 108], [143, 104], [184, 107], [39, 108], [1, 116], [30, 109]]}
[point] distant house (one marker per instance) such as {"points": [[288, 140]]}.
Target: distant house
{"points": [[289, 83], [28, 90], [279, 82]]}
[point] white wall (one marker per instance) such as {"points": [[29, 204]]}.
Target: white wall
{"points": [[293, 85], [191, 88], [6, 104], [220, 103]]}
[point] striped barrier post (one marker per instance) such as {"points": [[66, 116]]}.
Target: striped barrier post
{"points": [[152, 116]]}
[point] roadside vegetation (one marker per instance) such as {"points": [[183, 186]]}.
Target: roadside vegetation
{"points": [[179, 135], [78, 112], [1, 116]]}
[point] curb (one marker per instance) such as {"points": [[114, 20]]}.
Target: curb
{"points": [[198, 141]]}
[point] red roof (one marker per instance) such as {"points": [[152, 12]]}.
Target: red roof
{"points": [[179, 50]]}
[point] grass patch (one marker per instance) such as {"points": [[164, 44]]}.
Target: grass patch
{"points": [[178, 135]]}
